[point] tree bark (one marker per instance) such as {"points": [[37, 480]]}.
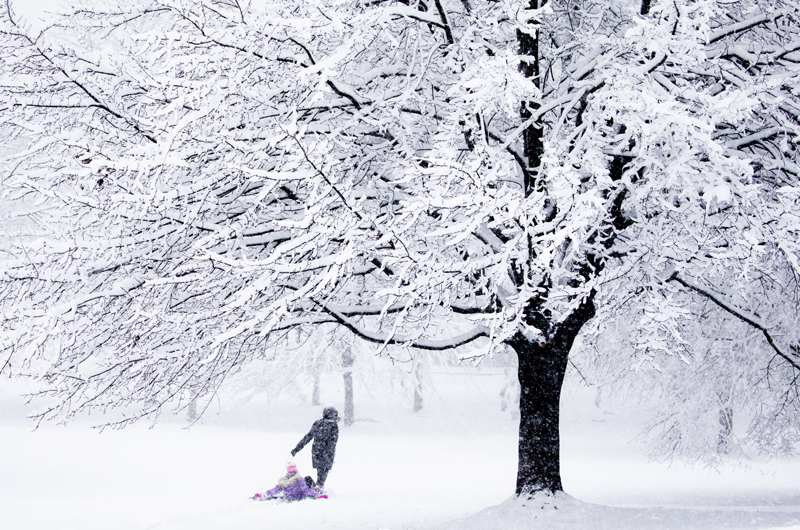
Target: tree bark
{"points": [[542, 365], [533, 135], [542, 362]]}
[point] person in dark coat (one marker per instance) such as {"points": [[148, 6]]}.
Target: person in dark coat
{"points": [[325, 434]]}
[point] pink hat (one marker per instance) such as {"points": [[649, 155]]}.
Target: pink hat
{"points": [[291, 468]]}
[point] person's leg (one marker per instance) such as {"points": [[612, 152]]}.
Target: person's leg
{"points": [[322, 474]]}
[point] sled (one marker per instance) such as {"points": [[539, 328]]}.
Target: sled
{"points": [[281, 498]]}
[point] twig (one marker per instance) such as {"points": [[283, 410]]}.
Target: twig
{"points": [[325, 177]]}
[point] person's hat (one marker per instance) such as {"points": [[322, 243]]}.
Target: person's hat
{"points": [[330, 413], [291, 468]]}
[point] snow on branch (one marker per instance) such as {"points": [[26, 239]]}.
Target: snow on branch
{"points": [[410, 12], [536, 116], [367, 309], [747, 24], [755, 137], [481, 306], [120, 288], [378, 338], [488, 238], [786, 50]]}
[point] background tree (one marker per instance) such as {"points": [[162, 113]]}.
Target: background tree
{"points": [[706, 377], [427, 174], [328, 362]]}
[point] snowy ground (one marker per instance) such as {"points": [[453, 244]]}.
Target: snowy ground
{"points": [[452, 466]]}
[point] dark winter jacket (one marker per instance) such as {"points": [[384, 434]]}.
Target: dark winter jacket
{"points": [[325, 434]]}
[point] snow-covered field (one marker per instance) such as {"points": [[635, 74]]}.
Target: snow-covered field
{"points": [[450, 466]]}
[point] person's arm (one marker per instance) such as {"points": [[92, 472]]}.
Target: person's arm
{"points": [[307, 438]]}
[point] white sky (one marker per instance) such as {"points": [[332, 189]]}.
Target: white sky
{"points": [[34, 10]]}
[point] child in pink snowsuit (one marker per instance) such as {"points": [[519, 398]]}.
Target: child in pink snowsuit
{"points": [[293, 486]]}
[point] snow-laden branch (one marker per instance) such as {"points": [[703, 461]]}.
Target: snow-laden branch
{"points": [[366, 309], [488, 238], [73, 81], [786, 50], [544, 109], [120, 288], [747, 24], [379, 338], [410, 12], [481, 306], [755, 137]]}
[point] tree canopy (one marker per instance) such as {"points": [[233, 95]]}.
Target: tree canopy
{"points": [[430, 173]]}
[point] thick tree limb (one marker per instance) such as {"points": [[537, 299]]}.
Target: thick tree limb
{"points": [[747, 24], [755, 137], [482, 307], [447, 31], [367, 310], [377, 338]]}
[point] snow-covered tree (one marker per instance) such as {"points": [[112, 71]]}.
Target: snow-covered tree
{"points": [[437, 174]]}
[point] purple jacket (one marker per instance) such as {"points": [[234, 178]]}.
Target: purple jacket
{"points": [[293, 492]]}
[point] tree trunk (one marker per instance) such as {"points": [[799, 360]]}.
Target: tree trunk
{"points": [[317, 368], [417, 385], [417, 399], [542, 365], [191, 413], [533, 135], [349, 410], [541, 373], [315, 390], [725, 429]]}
